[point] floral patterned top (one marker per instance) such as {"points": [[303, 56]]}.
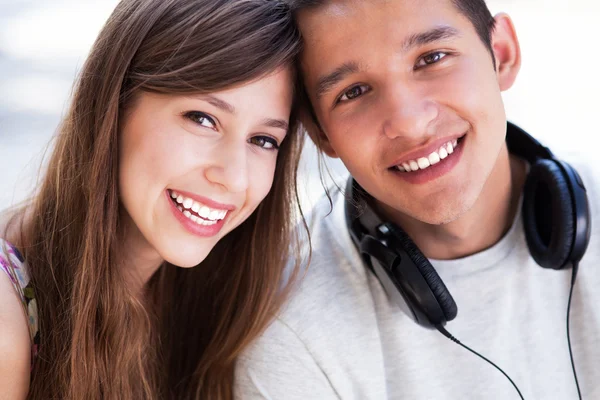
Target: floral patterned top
{"points": [[12, 262]]}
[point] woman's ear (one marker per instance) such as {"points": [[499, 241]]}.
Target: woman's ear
{"points": [[506, 51]]}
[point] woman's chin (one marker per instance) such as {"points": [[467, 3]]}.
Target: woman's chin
{"points": [[180, 258]]}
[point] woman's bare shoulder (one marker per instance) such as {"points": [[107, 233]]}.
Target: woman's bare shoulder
{"points": [[11, 223], [15, 342]]}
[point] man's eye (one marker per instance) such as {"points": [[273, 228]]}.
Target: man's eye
{"points": [[353, 92], [431, 58]]}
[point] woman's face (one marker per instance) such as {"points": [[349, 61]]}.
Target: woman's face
{"points": [[193, 168]]}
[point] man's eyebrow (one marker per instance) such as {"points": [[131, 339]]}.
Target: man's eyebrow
{"points": [[326, 82], [275, 123], [432, 35]]}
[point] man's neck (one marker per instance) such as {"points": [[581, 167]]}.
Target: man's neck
{"points": [[483, 225]]}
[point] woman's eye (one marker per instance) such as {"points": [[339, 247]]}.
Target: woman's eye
{"points": [[201, 119], [264, 142], [353, 92], [431, 58]]}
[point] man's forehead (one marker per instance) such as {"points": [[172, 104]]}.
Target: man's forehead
{"points": [[311, 18], [335, 24], [325, 12], [327, 16]]}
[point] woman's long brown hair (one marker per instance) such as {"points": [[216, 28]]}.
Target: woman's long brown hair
{"points": [[180, 338]]}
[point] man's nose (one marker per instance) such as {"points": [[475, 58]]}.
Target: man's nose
{"points": [[409, 113]]}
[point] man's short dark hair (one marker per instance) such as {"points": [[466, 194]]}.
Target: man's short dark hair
{"points": [[480, 16], [475, 10]]}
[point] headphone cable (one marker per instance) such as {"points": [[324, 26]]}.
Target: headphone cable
{"points": [[444, 332], [455, 340], [575, 268]]}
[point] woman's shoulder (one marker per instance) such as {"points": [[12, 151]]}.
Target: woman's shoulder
{"points": [[16, 289], [13, 264], [15, 339]]}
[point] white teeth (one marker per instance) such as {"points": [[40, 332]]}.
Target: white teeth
{"points": [[425, 162], [186, 205], [204, 212], [443, 153], [434, 158], [199, 221]]}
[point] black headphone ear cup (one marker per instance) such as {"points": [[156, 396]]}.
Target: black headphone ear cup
{"points": [[548, 215], [432, 278]]}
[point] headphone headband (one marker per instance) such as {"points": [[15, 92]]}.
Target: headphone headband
{"points": [[522, 144]]}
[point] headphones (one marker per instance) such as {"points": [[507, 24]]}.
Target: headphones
{"points": [[556, 220]]}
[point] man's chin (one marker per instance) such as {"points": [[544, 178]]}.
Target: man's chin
{"points": [[443, 219], [441, 213]]}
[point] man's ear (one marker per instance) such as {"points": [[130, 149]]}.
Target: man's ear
{"points": [[316, 134], [506, 51]]}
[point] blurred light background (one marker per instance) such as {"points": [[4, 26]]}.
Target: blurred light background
{"points": [[43, 44]]}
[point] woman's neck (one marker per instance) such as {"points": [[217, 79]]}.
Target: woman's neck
{"points": [[136, 255]]}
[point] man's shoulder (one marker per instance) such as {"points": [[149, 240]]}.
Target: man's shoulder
{"points": [[328, 235], [321, 214], [328, 323], [332, 273]]}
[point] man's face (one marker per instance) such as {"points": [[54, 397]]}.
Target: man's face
{"points": [[407, 96]]}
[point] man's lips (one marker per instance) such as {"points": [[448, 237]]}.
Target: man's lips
{"points": [[426, 150]]}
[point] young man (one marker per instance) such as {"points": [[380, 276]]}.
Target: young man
{"points": [[407, 94]]}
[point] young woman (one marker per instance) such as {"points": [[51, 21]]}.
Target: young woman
{"points": [[179, 150]]}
